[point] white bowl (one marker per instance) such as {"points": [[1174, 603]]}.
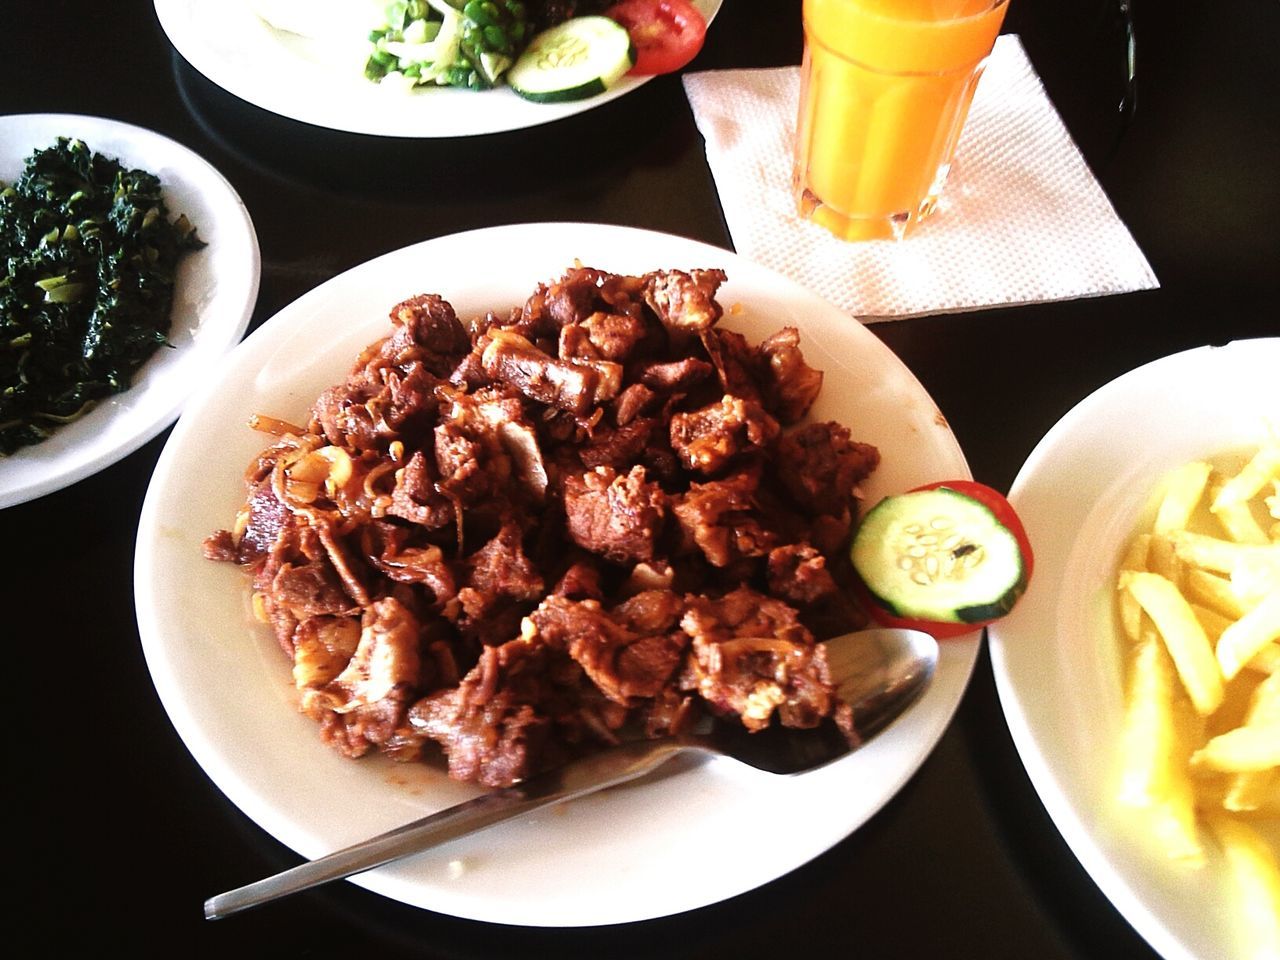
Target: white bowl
{"points": [[319, 78], [598, 860], [213, 300], [1057, 658]]}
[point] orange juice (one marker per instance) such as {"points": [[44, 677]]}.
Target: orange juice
{"points": [[885, 88]]}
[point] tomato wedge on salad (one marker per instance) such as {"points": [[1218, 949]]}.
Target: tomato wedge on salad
{"points": [[946, 558], [667, 33]]}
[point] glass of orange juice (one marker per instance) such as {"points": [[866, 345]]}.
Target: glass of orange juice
{"points": [[885, 87]]}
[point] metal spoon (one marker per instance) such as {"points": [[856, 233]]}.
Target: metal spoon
{"points": [[879, 673]]}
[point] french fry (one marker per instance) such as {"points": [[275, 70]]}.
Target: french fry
{"points": [[1253, 580], [1257, 791], [1247, 636], [1237, 701], [1154, 752], [1221, 556], [1200, 742], [1255, 795], [1162, 558], [1213, 622], [1214, 591], [1242, 750], [1184, 488], [1238, 521], [1253, 476], [1135, 558], [1185, 639], [1241, 526], [1264, 708], [1256, 876], [1255, 744], [1266, 660]]}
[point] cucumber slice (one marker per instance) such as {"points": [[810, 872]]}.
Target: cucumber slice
{"points": [[579, 58], [939, 555]]}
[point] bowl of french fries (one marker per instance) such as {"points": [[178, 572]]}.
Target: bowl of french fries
{"points": [[1140, 675]]}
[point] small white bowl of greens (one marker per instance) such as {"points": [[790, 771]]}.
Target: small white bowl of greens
{"points": [[213, 293]]}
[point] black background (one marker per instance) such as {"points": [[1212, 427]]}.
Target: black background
{"points": [[119, 836]]}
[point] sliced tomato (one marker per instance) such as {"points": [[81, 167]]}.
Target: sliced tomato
{"points": [[1003, 511], [667, 33]]}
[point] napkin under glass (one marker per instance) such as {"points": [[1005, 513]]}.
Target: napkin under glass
{"points": [[1021, 218]]}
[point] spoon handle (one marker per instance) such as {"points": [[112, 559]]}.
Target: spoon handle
{"points": [[626, 762]]}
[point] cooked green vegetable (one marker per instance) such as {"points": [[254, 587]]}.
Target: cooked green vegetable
{"points": [[89, 258]]}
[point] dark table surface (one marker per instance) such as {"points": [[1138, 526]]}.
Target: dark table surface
{"points": [[120, 836]]}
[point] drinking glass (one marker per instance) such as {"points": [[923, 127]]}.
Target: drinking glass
{"points": [[884, 92]]}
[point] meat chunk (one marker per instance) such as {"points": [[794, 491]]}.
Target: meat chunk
{"points": [[485, 450], [220, 545], [734, 363], [267, 518], [675, 376], [501, 568], [720, 518], [581, 292], [524, 707], [388, 549], [377, 404], [790, 385], [630, 652], [309, 589], [685, 302], [574, 385], [618, 516], [416, 497], [633, 401], [427, 329], [343, 416], [490, 725], [602, 336], [375, 687], [798, 574], [391, 390], [823, 465], [407, 407], [707, 439], [619, 447], [580, 581], [571, 299], [500, 583], [750, 656], [470, 373], [386, 657], [322, 648]]}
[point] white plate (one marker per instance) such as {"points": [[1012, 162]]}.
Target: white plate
{"points": [[1057, 659], [323, 83], [606, 859], [213, 300]]}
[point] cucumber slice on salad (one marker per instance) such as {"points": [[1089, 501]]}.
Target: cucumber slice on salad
{"points": [[939, 555], [579, 58]]}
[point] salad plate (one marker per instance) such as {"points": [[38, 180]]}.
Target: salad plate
{"points": [[1058, 657], [601, 860], [216, 289], [320, 79]]}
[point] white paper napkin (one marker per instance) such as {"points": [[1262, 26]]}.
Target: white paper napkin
{"points": [[1021, 219]]}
